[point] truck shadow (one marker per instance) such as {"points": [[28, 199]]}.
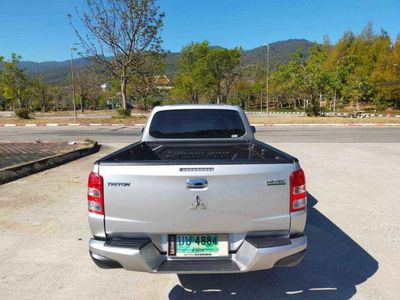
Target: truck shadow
{"points": [[333, 266]]}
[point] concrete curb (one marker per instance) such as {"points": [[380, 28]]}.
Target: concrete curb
{"points": [[15, 172]]}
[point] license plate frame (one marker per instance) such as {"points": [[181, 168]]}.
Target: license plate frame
{"points": [[194, 249]]}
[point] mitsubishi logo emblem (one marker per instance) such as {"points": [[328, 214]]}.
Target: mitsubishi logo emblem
{"points": [[197, 204]]}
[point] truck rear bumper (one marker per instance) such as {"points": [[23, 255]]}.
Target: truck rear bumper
{"points": [[254, 254]]}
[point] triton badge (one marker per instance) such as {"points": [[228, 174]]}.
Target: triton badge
{"points": [[123, 184]]}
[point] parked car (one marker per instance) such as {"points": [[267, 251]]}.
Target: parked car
{"points": [[197, 194]]}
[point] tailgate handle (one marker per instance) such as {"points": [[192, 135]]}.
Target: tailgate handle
{"points": [[196, 183]]}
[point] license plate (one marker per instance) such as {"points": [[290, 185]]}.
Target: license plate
{"points": [[197, 245]]}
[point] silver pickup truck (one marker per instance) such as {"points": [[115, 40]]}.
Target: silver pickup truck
{"points": [[197, 194]]}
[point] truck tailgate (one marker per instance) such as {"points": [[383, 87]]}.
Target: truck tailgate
{"points": [[156, 199]]}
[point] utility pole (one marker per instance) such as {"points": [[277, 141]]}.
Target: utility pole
{"points": [[267, 45], [72, 49]]}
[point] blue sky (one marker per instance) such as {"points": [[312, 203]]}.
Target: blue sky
{"points": [[39, 29]]}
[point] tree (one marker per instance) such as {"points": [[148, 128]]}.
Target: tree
{"points": [[3, 100], [14, 83], [41, 97], [358, 69], [242, 93], [282, 86], [385, 76], [144, 82], [205, 71], [310, 76], [124, 29], [57, 96], [395, 62], [190, 81], [249, 86], [88, 86], [221, 63]]}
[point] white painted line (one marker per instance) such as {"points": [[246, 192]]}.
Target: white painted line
{"points": [[117, 124], [30, 125], [259, 124], [10, 125], [95, 124], [323, 289], [294, 292], [52, 124], [139, 124], [397, 116], [73, 124]]}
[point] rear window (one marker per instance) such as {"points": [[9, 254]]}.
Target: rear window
{"points": [[197, 123]]}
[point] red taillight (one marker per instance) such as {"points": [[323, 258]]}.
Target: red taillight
{"points": [[298, 192], [95, 194]]}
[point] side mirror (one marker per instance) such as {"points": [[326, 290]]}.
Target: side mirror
{"points": [[253, 129]]}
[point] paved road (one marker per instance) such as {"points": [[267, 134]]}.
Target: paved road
{"points": [[352, 230], [279, 134]]}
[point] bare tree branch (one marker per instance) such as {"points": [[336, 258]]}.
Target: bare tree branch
{"points": [[124, 30]]}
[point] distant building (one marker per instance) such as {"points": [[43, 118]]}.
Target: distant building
{"points": [[162, 82]]}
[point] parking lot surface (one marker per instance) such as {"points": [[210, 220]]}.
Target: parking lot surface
{"points": [[352, 229]]}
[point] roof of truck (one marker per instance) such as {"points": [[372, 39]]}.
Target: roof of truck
{"points": [[196, 106]]}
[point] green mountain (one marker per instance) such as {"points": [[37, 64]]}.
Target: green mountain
{"points": [[53, 72], [279, 52]]}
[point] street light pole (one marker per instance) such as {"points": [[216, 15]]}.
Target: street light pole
{"points": [[267, 45], [72, 77]]}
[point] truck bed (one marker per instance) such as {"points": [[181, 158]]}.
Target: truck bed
{"points": [[189, 152]]}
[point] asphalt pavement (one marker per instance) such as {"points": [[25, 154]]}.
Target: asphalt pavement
{"points": [[352, 233], [275, 134]]}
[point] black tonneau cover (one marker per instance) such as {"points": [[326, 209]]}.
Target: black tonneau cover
{"points": [[192, 152]]}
